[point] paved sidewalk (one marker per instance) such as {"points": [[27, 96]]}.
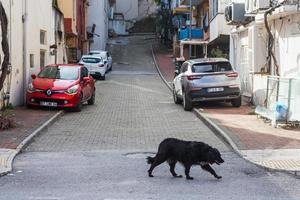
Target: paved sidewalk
{"points": [[249, 136], [28, 123]]}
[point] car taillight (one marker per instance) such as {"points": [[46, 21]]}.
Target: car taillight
{"points": [[101, 65], [232, 74], [193, 77]]}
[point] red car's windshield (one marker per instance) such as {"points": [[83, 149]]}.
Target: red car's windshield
{"points": [[58, 72]]}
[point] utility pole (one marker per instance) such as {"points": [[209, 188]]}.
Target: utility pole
{"points": [[190, 31]]}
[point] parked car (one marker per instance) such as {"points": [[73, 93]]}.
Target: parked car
{"points": [[96, 66], [63, 86], [105, 56], [206, 79]]}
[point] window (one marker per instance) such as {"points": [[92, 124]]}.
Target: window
{"points": [[91, 60], [42, 58], [214, 8], [31, 60], [184, 67], [64, 73], [84, 72], [211, 67], [42, 37]]}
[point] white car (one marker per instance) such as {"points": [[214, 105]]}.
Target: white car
{"points": [[104, 55], [96, 66]]}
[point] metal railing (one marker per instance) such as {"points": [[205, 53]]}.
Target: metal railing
{"points": [[283, 91]]}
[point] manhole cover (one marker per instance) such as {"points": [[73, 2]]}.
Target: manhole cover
{"points": [[139, 154], [252, 172]]}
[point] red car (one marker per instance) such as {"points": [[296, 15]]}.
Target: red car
{"points": [[61, 85]]}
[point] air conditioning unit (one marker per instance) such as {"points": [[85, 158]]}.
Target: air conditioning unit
{"points": [[235, 13], [254, 6]]}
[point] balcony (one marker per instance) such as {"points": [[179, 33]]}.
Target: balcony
{"points": [[194, 2]]}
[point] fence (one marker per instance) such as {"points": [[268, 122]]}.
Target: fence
{"points": [[283, 99]]}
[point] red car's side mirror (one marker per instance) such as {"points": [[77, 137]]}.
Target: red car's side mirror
{"points": [[33, 76], [86, 79]]}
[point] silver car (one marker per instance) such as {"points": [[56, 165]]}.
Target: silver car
{"points": [[206, 79]]}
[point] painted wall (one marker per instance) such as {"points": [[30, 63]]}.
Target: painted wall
{"points": [[98, 15], [287, 34], [14, 81], [129, 8], [146, 8], [218, 27], [40, 16], [248, 51]]}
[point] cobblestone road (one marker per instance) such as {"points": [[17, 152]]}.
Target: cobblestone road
{"points": [[92, 154], [134, 110]]}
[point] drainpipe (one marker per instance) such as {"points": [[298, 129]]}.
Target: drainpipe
{"points": [[190, 31], [55, 34], [24, 19]]}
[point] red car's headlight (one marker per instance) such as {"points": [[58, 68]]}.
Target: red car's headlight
{"points": [[73, 89]]}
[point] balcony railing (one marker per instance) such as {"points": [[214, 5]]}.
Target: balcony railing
{"points": [[197, 33]]}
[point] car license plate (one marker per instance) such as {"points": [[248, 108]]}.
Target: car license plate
{"points": [[219, 89], [51, 104]]}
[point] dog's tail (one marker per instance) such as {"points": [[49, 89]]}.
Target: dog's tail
{"points": [[150, 160]]}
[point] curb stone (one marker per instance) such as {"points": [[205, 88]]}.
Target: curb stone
{"points": [[219, 132], [6, 161], [158, 70]]}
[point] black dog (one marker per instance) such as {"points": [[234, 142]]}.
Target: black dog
{"points": [[187, 153]]}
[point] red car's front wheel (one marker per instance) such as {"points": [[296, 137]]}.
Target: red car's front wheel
{"points": [[78, 107]]}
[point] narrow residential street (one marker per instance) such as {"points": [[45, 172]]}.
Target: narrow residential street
{"points": [[100, 152]]}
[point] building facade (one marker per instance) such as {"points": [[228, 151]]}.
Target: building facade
{"points": [[99, 12], [75, 22], [258, 54], [36, 38]]}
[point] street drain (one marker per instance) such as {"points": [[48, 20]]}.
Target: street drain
{"points": [[139, 154]]}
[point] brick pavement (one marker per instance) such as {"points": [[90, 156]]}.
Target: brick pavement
{"points": [[164, 60], [27, 120], [252, 136], [28, 123]]}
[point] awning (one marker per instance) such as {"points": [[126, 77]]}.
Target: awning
{"points": [[193, 42]]}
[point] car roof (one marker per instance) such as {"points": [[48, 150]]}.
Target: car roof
{"points": [[65, 65], [90, 56], [97, 51], [207, 60]]}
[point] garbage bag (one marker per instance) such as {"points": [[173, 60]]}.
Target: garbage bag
{"points": [[281, 111]]}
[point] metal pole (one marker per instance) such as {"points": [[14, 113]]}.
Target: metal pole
{"points": [[267, 95], [190, 31], [289, 99]]}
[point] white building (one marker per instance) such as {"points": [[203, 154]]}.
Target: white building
{"points": [[135, 9], [249, 48], [14, 80], [36, 38], [99, 11]]}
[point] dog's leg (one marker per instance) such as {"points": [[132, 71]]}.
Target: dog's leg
{"points": [[208, 168], [187, 172], [158, 160], [172, 168]]}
